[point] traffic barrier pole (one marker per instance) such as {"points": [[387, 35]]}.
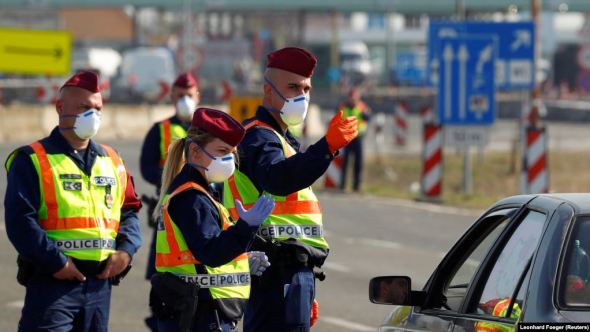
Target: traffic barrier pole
{"points": [[432, 170], [535, 173], [400, 126], [333, 176]]}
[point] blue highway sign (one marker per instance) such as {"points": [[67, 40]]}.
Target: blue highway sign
{"points": [[516, 49], [466, 88]]}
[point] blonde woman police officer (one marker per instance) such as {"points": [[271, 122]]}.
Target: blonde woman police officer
{"points": [[203, 271]]}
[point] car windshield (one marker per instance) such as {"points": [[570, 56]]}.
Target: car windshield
{"points": [[576, 269]]}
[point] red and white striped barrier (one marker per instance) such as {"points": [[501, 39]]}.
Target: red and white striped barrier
{"points": [[535, 173], [47, 93], [426, 114], [333, 176], [164, 91], [432, 170], [105, 89], [400, 125]]}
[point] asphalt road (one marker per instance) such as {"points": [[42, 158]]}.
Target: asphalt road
{"points": [[368, 237]]}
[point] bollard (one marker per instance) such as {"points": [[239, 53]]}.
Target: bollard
{"points": [[535, 171], [431, 182], [333, 176], [426, 114], [400, 125]]}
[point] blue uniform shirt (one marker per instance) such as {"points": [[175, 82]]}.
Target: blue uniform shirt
{"points": [[23, 199], [149, 161], [262, 159]]}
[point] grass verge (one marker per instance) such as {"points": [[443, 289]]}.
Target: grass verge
{"points": [[494, 176]]}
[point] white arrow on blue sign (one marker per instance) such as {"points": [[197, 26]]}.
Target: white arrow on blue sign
{"points": [[515, 56], [466, 88]]}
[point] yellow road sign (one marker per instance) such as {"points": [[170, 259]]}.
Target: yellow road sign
{"points": [[35, 51], [242, 108]]}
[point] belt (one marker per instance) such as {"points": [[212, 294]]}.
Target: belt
{"points": [[89, 268]]}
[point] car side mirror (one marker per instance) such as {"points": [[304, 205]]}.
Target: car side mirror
{"points": [[390, 290], [396, 290]]}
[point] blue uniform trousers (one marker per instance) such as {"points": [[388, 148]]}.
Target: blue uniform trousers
{"points": [[56, 305], [284, 304], [353, 150]]}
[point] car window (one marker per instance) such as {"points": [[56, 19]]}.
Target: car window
{"points": [[508, 270], [577, 265], [459, 283], [522, 292]]}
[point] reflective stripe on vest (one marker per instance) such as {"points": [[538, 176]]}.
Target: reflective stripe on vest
{"points": [[297, 215], [82, 244], [294, 231], [174, 256], [217, 280], [80, 213], [169, 132]]}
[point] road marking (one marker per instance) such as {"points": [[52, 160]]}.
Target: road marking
{"points": [[352, 241], [424, 206], [336, 267], [347, 324], [371, 242], [15, 304], [380, 243]]}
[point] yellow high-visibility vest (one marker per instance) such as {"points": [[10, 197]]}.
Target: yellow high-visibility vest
{"points": [[228, 283], [297, 215], [169, 132], [80, 212]]}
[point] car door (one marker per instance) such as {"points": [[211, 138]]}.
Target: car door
{"points": [[496, 296], [447, 288]]}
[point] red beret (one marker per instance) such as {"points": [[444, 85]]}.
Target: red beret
{"points": [[293, 59], [219, 124], [185, 80], [86, 80]]}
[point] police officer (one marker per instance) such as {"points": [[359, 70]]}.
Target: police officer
{"points": [[200, 253], [270, 163], [71, 213], [185, 98], [354, 106]]}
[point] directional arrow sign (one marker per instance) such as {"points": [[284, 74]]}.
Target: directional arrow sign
{"points": [[448, 72], [515, 51], [466, 94], [463, 57], [36, 52]]}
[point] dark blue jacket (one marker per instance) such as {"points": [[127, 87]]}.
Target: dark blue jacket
{"points": [[199, 222], [149, 161], [22, 202], [262, 159]]}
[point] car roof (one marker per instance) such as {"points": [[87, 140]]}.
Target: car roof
{"points": [[579, 201]]}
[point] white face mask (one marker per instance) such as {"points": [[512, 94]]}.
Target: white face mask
{"points": [[86, 124], [294, 109], [185, 107], [220, 169]]}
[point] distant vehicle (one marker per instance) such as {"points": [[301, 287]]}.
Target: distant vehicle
{"points": [[524, 260], [355, 60], [105, 60], [145, 75]]}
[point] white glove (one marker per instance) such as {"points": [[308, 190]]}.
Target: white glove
{"points": [[258, 262]]}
